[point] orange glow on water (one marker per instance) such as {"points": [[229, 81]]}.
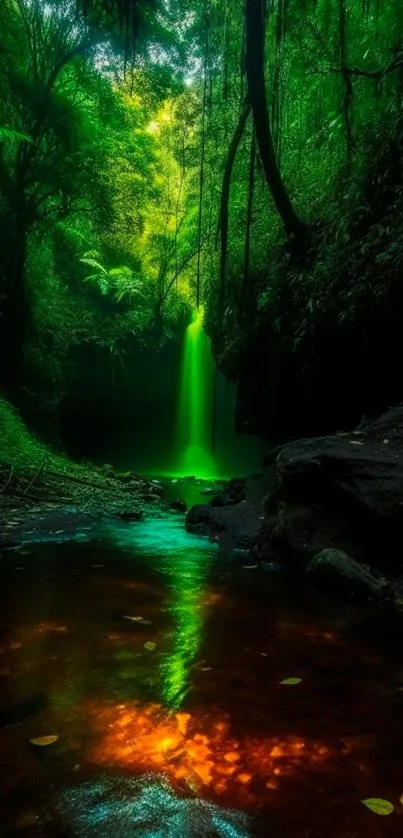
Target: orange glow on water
{"points": [[197, 751]]}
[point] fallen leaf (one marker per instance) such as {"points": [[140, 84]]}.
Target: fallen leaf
{"points": [[150, 646], [386, 441], [355, 442], [206, 668], [378, 805], [44, 741], [133, 619], [291, 682], [249, 566]]}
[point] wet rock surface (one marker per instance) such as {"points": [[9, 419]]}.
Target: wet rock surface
{"points": [[335, 570], [343, 492], [236, 526]]}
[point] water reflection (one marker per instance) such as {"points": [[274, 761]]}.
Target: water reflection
{"points": [[188, 572], [185, 564]]}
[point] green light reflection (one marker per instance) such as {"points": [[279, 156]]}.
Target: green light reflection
{"points": [[188, 575]]}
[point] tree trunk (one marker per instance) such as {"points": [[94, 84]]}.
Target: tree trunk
{"points": [[251, 192], [225, 191], [347, 80], [255, 39], [14, 311]]}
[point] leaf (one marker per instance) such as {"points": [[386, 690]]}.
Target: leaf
{"points": [[150, 646], [378, 805], [16, 136], [249, 566], [291, 682], [44, 741], [132, 619], [94, 264]]}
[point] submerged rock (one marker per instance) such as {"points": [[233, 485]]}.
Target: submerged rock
{"points": [[239, 524], [118, 807], [335, 569]]}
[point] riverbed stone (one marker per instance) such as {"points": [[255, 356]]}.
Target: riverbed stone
{"points": [[338, 571]]}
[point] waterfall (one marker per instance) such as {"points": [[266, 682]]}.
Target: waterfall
{"points": [[196, 403]]}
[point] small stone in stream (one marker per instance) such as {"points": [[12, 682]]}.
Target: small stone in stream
{"points": [[134, 515], [178, 505]]}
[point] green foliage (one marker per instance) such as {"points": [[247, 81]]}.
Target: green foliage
{"points": [[100, 168]]}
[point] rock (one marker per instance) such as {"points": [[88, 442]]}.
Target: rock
{"points": [[336, 569], [127, 515], [342, 491], [178, 505], [237, 525], [233, 492]]}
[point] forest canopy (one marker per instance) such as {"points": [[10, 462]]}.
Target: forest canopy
{"points": [[158, 155]]}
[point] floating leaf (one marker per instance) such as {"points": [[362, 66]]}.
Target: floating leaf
{"points": [[291, 682], [44, 741], [378, 805], [150, 646]]}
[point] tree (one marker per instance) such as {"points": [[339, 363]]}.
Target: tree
{"points": [[255, 42]]}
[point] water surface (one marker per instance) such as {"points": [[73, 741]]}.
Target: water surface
{"points": [[157, 662]]}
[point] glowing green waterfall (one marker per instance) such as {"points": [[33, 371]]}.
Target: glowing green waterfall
{"points": [[195, 406]]}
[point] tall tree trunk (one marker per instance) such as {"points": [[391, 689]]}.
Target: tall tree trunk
{"points": [[202, 157], [14, 310], [255, 39], [347, 80], [251, 192], [225, 191]]}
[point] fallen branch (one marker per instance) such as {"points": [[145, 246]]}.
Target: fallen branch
{"points": [[80, 480], [35, 477], [8, 481]]}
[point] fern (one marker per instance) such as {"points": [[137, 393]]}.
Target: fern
{"points": [[13, 136]]}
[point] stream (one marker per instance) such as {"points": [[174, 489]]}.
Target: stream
{"points": [[155, 664]]}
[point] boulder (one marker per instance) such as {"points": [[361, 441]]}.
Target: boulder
{"points": [[178, 505], [343, 491], [237, 525], [232, 492], [336, 570]]}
